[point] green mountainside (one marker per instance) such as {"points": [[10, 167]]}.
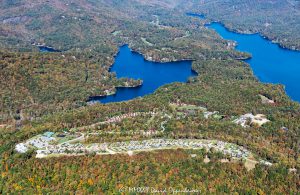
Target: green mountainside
{"points": [[47, 92]]}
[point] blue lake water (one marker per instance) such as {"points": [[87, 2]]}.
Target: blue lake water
{"points": [[47, 49], [270, 62], [196, 15], [133, 65]]}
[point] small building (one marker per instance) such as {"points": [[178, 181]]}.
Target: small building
{"points": [[21, 148], [48, 134], [249, 118]]}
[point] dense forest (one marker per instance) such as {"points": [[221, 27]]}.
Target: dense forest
{"points": [[43, 92], [60, 81], [109, 174]]}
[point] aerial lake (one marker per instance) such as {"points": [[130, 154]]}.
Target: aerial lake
{"points": [[270, 62], [133, 65], [47, 49]]}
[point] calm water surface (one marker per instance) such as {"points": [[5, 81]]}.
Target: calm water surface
{"points": [[270, 62], [47, 49], [133, 65]]}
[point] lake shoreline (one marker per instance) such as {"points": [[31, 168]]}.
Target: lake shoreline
{"points": [[249, 33], [283, 61], [243, 32], [280, 60], [152, 73]]}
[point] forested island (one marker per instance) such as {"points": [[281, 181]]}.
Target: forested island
{"points": [[44, 102]]}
